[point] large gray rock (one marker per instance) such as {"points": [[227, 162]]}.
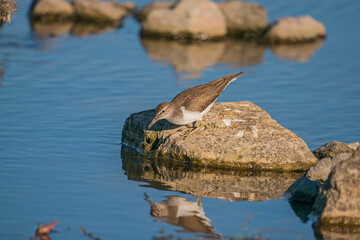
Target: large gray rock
{"points": [[97, 11], [295, 30], [339, 201], [242, 17], [51, 10], [333, 148], [194, 19], [232, 135]]}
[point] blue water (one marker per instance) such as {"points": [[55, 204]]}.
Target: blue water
{"points": [[64, 99]]}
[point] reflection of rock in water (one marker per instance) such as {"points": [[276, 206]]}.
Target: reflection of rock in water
{"points": [[230, 186], [43, 29], [301, 209], [179, 211], [240, 54], [296, 52], [191, 58], [87, 29], [335, 232]]}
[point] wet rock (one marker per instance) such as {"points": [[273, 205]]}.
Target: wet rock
{"points": [[142, 13], [243, 18], [304, 190], [183, 177], [321, 170], [232, 135], [339, 201], [189, 19], [333, 148], [296, 52], [295, 30], [97, 11], [51, 10]]}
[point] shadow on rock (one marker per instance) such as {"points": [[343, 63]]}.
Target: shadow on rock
{"points": [[296, 52], [180, 211], [227, 185]]}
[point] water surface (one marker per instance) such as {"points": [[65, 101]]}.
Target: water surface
{"points": [[65, 93]]}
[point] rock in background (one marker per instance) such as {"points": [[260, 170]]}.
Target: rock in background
{"points": [[188, 19], [244, 19], [295, 30], [232, 135], [50, 11]]}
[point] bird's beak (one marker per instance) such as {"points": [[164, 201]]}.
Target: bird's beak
{"points": [[156, 118]]}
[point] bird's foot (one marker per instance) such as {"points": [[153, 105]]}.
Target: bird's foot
{"points": [[193, 128]]}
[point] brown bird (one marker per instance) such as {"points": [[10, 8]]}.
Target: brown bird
{"points": [[192, 104]]}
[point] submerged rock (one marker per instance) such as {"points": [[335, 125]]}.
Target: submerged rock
{"points": [[243, 18], [189, 19], [295, 30], [339, 201], [232, 135], [333, 148]]}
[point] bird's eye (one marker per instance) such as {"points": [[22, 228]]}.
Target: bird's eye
{"points": [[162, 111]]}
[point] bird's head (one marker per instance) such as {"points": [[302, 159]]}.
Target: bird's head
{"points": [[163, 110]]}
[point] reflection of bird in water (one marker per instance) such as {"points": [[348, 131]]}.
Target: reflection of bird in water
{"points": [[192, 104], [179, 211]]}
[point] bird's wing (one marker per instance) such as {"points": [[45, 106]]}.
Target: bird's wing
{"points": [[198, 98]]}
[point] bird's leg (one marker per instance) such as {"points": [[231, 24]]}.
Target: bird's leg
{"points": [[193, 129], [198, 200]]}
